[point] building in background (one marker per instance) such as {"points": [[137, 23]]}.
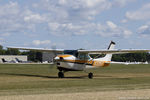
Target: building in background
{"points": [[47, 57]]}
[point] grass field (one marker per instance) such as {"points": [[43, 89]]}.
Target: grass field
{"points": [[38, 79]]}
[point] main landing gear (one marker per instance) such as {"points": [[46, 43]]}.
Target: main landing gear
{"points": [[90, 75], [60, 74]]}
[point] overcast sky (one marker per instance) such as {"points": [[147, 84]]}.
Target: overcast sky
{"points": [[73, 24]]}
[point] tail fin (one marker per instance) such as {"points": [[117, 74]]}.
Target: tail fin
{"points": [[109, 56], [4, 60], [111, 45], [18, 60]]}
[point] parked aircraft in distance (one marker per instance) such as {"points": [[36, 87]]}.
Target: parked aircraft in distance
{"points": [[79, 60], [4, 61], [20, 61]]}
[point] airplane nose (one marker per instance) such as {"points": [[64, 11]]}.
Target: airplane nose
{"points": [[56, 58]]}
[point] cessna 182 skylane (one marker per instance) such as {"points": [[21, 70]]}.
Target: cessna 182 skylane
{"points": [[79, 60]]}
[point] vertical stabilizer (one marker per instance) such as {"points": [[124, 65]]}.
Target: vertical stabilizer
{"points": [[111, 45], [18, 60], [4, 60], [109, 56]]}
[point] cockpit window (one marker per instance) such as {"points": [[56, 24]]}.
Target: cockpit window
{"points": [[83, 56], [71, 52]]}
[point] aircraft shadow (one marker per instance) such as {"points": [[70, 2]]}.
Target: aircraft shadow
{"points": [[42, 76], [104, 76]]}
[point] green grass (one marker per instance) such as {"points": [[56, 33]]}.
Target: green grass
{"points": [[34, 79]]}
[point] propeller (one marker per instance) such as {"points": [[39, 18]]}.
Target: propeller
{"points": [[54, 54]]}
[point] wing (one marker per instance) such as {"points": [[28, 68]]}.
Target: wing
{"points": [[119, 51], [127, 63], [38, 49]]}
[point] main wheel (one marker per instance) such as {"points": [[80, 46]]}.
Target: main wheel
{"points": [[90, 75], [61, 75]]}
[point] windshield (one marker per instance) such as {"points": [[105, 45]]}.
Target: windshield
{"points": [[71, 52]]}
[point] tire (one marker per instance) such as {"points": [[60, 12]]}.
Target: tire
{"points": [[61, 75], [90, 76]]}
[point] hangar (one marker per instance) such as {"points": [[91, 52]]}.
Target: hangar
{"points": [[46, 56]]}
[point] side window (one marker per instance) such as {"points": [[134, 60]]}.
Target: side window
{"points": [[83, 56]]}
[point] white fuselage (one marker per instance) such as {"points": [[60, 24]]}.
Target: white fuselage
{"points": [[70, 62]]}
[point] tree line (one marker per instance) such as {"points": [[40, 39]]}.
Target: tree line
{"points": [[132, 57]]}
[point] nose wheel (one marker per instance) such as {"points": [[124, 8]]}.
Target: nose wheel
{"points": [[90, 75], [61, 75]]}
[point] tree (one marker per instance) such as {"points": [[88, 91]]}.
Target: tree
{"points": [[12, 52], [1, 47], [139, 57], [2, 51], [34, 56]]}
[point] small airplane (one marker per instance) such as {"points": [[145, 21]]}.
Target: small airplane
{"points": [[80, 60], [20, 61], [4, 61]]}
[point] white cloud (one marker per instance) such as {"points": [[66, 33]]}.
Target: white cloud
{"points": [[12, 18], [111, 25], [108, 29], [144, 30], [5, 34], [111, 29], [122, 3], [60, 17], [141, 14], [54, 26], [9, 9], [71, 28], [62, 2], [73, 9], [124, 21], [58, 45], [144, 27], [71, 17], [127, 33], [38, 42], [93, 3], [8, 15], [1, 39], [35, 18]]}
